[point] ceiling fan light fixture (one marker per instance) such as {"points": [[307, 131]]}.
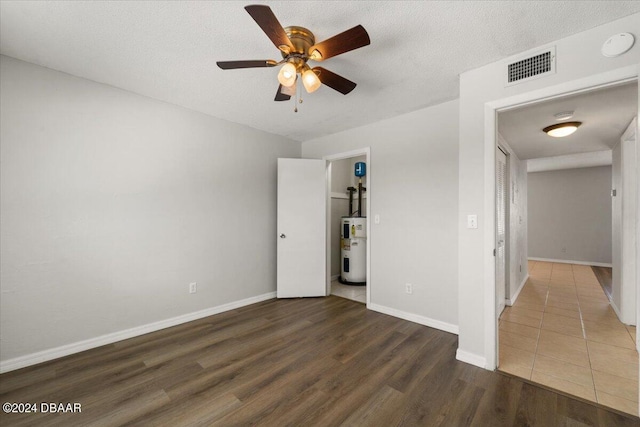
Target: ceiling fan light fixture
{"points": [[315, 55], [562, 129], [310, 80], [287, 75]]}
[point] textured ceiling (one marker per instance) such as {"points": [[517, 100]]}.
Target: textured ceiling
{"points": [[168, 50], [605, 115]]}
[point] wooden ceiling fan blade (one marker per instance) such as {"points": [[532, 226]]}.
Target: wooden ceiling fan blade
{"points": [[264, 17], [280, 96], [232, 65], [346, 41], [334, 81]]}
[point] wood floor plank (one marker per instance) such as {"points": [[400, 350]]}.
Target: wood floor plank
{"points": [[295, 362], [537, 406], [499, 403]]}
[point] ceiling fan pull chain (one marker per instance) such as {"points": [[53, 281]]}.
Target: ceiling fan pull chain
{"points": [[295, 108]]}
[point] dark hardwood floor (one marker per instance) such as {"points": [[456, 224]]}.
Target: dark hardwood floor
{"points": [[604, 275], [298, 362]]}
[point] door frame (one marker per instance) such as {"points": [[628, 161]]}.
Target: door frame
{"points": [[365, 151], [507, 223], [491, 110]]}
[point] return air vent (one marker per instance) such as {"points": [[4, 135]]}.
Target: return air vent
{"points": [[532, 67]]}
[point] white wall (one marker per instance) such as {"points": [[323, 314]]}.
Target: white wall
{"points": [[413, 187], [112, 203], [570, 215], [481, 91], [518, 270]]}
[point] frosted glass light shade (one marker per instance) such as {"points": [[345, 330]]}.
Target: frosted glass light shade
{"points": [[287, 75], [562, 129], [310, 81]]}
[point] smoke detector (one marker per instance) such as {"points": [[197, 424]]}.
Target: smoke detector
{"points": [[617, 44], [565, 115]]}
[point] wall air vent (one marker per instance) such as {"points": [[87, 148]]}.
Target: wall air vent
{"points": [[532, 67]]}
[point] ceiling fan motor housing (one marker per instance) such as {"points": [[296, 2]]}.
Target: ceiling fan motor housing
{"points": [[301, 39]]}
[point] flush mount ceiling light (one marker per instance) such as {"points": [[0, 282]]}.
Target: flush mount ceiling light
{"points": [[561, 129]]}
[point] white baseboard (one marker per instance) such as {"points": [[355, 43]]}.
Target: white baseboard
{"points": [[471, 358], [512, 300], [618, 313], [65, 350], [568, 261], [432, 323], [615, 308]]}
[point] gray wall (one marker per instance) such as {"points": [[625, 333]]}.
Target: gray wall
{"points": [[570, 214], [412, 184], [112, 203]]}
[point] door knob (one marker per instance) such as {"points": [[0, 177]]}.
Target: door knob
{"points": [[282, 236]]}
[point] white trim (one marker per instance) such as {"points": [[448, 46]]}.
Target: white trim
{"points": [[416, 318], [77, 347], [615, 308], [489, 239], [472, 359], [569, 261], [570, 161], [602, 80], [512, 300]]}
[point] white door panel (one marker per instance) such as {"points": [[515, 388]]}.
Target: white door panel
{"points": [[301, 228]]}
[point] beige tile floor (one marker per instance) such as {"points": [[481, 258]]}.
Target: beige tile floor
{"points": [[562, 333], [355, 293]]}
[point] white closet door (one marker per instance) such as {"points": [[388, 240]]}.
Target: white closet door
{"points": [[301, 228]]}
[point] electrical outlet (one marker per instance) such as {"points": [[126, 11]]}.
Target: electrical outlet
{"points": [[376, 219], [564, 250], [408, 288], [193, 288]]}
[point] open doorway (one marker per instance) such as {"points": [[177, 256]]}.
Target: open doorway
{"points": [[560, 328], [348, 228]]}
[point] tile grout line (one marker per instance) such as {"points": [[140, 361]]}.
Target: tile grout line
{"points": [[544, 310], [584, 335], [583, 286]]}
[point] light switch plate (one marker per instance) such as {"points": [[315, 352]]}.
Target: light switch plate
{"points": [[472, 221], [376, 219]]}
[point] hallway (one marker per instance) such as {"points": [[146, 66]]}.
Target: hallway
{"points": [[562, 333]]}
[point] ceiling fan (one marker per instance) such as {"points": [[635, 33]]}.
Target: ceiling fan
{"points": [[297, 46]]}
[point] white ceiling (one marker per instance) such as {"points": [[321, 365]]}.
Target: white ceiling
{"points": [[605, 115], [168, 50]]}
